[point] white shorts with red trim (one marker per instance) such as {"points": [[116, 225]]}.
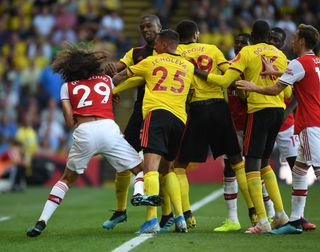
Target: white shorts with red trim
{"points": [[309, 151], [101, 137], [288, 143]]}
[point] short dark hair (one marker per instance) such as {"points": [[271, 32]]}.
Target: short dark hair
{"points": [[152, 18], [281, 31], [186, 29], [170, 35], [260, 31], [247, 36], [310, 35]]}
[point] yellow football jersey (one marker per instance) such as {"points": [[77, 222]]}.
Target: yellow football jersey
{"points": [[208, 58], [168, 80], [249, 62], [128, 57]]}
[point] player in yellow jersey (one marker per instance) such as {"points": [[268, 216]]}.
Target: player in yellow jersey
{"points": [[149, 27], [168, 80], [210, 123], [264, 118]]}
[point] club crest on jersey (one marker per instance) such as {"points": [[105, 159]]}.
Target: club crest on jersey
{"points": [[236, 58]]}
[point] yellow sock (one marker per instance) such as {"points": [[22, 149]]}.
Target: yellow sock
{"points": [[122, 183], [272, 187], [255, 189], [184, 187], [173, 188], [151, 186], [242, 182], [166, 206]]}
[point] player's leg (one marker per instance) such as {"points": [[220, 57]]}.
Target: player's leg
{"points": [[268, 204], [80, 153], [55, 198], [172, 186], [230, 187], [238, 166], [254, 144], [225, 141], [180, 170], [167, 218]]}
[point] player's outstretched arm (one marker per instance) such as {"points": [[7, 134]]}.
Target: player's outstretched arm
{"points": [[131, 82], [268, 90]]}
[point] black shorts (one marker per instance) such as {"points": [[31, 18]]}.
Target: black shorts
{"points": [[260, 132], [209, 124], [133, 129], [161, 134]]}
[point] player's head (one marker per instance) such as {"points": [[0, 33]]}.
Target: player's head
{"points": [[260, 32], [241, 40], [305, 38], [188, 31], [78, 62], [167, 41], [149, 27], [276, 37]]}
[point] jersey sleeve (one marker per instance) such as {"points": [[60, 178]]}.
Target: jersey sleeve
{"points": [[140, 68], [294, 72], [220, 59], [239, 63], [128, 58], [64, 94]]}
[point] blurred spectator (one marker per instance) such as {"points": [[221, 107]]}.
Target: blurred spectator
{"points": [[8, 127], [28, 137], [111, 27], [30, 77], [51, 82], [51, 133], [53, 110], [44, 21], [65, 17], [263, 9], [164, 10], [12, 167]]}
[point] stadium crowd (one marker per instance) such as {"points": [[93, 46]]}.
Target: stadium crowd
{"points": [[31, 33]]}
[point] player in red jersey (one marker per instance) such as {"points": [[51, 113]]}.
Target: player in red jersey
{"points": [[87, 107], [304, 74]]}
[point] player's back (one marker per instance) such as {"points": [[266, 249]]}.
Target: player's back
{"points": [[92, 96], [249, 62], [168, 81], [207, 58], [307, 91]]}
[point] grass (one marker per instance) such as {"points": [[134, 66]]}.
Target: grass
{"points": [[76, 225]]}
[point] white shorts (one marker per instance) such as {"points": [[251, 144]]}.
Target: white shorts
{"points": [[288, 143], [101, 137], [309, 151]]}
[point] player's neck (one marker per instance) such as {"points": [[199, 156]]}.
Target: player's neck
{"points": [[305, 51]]}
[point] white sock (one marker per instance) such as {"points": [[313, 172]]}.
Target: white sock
{"points": [[55, 198], [230, 196], [299, 192], [267, 201], [138, 184]]}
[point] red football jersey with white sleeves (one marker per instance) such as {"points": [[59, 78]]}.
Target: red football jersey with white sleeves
{"points": [[304, 73], [90, 97]]}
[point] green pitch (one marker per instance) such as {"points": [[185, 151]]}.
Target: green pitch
{"points": [[77, 224]]}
